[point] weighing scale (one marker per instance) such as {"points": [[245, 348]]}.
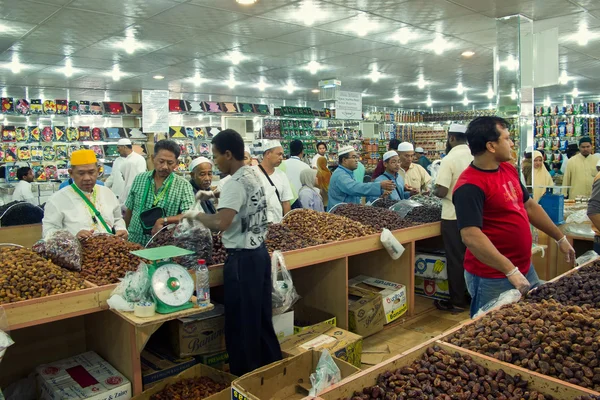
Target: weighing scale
{"points": [[170, 284], [553, 203]]}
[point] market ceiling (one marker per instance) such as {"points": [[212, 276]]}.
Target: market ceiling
{"points": [[397, 52]]}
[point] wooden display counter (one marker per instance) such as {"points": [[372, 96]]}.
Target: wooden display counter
{"points": [[61, 326], [24, 235]]}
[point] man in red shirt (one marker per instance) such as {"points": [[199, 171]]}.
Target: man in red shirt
{"points": [[493, 212]]}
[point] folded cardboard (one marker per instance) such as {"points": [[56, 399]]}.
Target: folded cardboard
{"points": [[342, 344], [306, 317], [159, 364], [85, 376], [193, 372], [284, 324], [201, 334], [431, 266], [393, 295], [287, 379], [432, 288], [365, 312]]}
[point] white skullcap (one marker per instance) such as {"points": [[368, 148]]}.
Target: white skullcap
{"points": [[197, 161], [457, 128], [389, 154], [405, 146], [419, 150], [124, 142], [529, 149], [264, 145], [345, 150]]}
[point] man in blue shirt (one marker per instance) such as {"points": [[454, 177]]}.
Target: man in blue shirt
{"points": [[343, 188], [391, 161]]}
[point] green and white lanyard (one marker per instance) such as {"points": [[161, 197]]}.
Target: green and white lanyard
{"points": [[94, 213], [163, 193]]}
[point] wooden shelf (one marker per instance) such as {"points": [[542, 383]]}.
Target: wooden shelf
{"points": [[160, 318]]}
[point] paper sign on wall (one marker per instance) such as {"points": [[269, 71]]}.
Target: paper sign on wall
{"points": [[348, 105], [155, 118]]}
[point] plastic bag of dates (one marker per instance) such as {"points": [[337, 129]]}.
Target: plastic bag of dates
{"points": [[193, 388], [219, 253], [62, 248], [192, 235], [164, 237]]}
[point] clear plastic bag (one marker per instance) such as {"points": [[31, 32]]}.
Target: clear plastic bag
{"points": [[62, 248], [581, 230], [192, 235], [133, 288], [164, 237], [284, 293], [508, 297], [403, 207], [578, 217], [326, 374], [586, 258], [391, 244], [5, 339]]}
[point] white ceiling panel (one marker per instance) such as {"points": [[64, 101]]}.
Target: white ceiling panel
{"points": [[270, 48], [485, 38], [321, 13], [367, 5], [45, 46], [260, 28], [349, 26], [189, 15], [310, 54], [32, 58], [82, 62], [419, 13], [463, 24], [312, 37], [26, 11], [151, 62], [109, 49], [353, 46], [165, 33], [129, 8], [260, 7]]}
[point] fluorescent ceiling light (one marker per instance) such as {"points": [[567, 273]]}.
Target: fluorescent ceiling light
{"points": [[583, 35], [513, 94], [465, 101], [575, 93], [158, 77], [396, 99], [231, 82], [315, 90], [309, 13], [196, 79], [460, 89], [490, 93], [490, 106], [468, 53], [130, 45], [246, 2], [236, 57], [116, 73], [439, 44], [68, 69], [429, 102], [421, 82], [405, 35], [262, 85], [362, 26], [564, 78], [290, 87], [313, 67], [375, 74], [511, 63], [15, 66], [547, 102]]}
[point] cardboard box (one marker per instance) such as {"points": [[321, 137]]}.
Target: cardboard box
{"points": [[215, 360], [365, 312], [159, 364], [426, 265], [435, 289], [287, 379], [342, 344], [85, 376], [193, 372], [393, 295], [306, 317], [201, 334], [284, 324]]}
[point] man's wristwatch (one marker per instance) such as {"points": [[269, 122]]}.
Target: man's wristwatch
{"points": [[165, 221]]}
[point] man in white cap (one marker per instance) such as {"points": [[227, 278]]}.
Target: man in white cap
{"points": [[133, 164], [416, 178], [278, 190], [343, 188], [201, 170], [456, 161], [422, 160], [391, 161]]}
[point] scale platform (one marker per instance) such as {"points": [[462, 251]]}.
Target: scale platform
{"points": [[161, 253]]}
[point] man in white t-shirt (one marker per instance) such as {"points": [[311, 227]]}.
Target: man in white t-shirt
{"points": [[294, 166], [23, 188], [321, 151], [278, 190], [457, 160], [133, 165], [242, 217]]}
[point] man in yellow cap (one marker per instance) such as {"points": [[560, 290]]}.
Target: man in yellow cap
{"points": [[84, 208]]}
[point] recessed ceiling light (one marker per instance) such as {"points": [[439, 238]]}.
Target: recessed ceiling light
{"points": [[158, 77], [396, 99], [405, 35], [460, 89], [246, 2], [68, 69], [116, 73], [547, 102], [513, 94], [490, 93], [465, 101], [262, 85], [583, 36], [468, 53], [575, 92], [375, 74], [231, 82], [313, 67], [196, 79], [236, 57], [564, 78], [362, 26], [290, 87], [130, 45], [511, 63], [309, 13], [439, 44], [315, 90], [15, 66], [429, 102], [421, 82]]}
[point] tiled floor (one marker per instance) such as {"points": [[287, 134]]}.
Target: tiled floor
{"points": [[427, 323]]}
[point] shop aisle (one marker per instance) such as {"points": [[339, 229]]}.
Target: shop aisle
{"points": [[427, 323]]}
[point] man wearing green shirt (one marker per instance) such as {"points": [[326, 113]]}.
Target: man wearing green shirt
{"points": [[155, 190]]}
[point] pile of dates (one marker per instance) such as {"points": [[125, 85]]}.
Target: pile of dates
{"points": [[194, 389], [576, 289], [219, 253], [546, 337], [377, 218], [384, 203], [443, 376], [282, 238], [325, 227], [107, 258], [424, 214]]}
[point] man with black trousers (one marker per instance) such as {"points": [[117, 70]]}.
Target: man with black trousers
{"points": [[242, 217], [458, 159]]}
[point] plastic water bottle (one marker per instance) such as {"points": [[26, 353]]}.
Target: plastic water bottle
{"points": [[202, 284]]}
